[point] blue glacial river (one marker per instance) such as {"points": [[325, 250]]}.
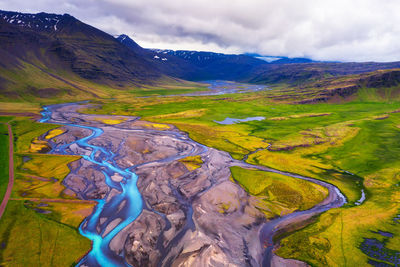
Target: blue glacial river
{"points": [[129, 197]]}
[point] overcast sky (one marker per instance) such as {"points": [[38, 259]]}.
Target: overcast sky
{"points": [[344, 30]]}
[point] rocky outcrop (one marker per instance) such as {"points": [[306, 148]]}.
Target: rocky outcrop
{"points": [[381, 79]]}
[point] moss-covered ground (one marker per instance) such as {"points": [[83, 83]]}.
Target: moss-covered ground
{"points": [[278, 194]]}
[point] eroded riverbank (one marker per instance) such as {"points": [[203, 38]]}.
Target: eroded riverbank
{"points": [[155, 211]]}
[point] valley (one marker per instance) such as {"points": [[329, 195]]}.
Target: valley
{"points": [[128, 156]]}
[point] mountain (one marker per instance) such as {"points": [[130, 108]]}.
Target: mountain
{"points": [[207, 65], [381, 85], [304, 73], [251, 68], [63, 50], [128, 42], [195, 65]]}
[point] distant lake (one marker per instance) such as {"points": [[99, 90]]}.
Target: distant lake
{"points": [[233, 121]]}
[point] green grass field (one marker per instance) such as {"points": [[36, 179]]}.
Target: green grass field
{"points": [[29, 238], [278, 194], [4, 158], [26, 130], [39, 226]]}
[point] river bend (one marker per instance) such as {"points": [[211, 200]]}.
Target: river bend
{"points": [[151, 209]]}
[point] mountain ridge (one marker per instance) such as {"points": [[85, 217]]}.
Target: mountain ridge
{"points": [[67, 48], [202, 65]]}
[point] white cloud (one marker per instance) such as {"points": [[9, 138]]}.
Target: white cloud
{"points": [[357, 30]]}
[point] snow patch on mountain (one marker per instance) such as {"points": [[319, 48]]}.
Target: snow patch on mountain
{"points": [[41, 21]]}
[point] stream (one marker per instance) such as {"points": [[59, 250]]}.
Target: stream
{"points": [[100, 253], [123, 208]]}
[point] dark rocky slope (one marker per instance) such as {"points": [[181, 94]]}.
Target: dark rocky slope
{"points": [[63, 45]]}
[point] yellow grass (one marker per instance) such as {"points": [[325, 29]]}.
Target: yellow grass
{"points": [[381, 117], [158, 126], [333, 135], [17, 107], [42, 176], [192, 162], [230, 138], [111, 121], [299, 116], [309, 115], [54, 133], [38, 146], [184, 114], [278, 118], [70, 213]]}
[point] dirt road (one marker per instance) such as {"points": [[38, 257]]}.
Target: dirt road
{"points": [[10, 172]]}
